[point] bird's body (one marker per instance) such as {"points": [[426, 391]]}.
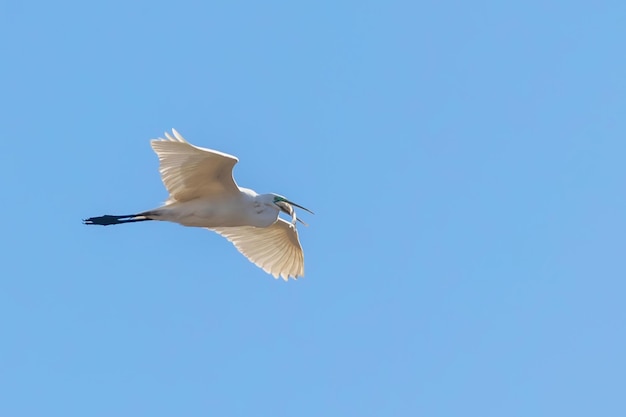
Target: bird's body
{"points": [[230, 210], [203, 193]]}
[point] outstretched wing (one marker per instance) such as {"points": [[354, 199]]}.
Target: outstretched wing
{"points": [[190, 172], [276, 249]]}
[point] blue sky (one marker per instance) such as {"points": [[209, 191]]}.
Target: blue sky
{"points": [[465, 161]]}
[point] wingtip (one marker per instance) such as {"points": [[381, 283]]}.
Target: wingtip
{"points": [[286, 277], [178, 136]]}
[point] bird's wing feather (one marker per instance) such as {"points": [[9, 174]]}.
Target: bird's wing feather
{"points": [[276, 249], [190, 172]]}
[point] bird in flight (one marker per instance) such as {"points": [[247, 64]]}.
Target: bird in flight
{"points": [[203, 193]]}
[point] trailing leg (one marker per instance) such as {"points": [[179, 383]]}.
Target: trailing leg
{"points": [[107, 220]]}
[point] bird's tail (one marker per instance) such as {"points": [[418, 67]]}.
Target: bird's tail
{"points": [[107, 219]]}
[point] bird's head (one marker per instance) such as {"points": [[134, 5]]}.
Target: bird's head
{"points": [[285, 206]]}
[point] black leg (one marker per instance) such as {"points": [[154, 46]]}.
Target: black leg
{"points": [[107, 220]]}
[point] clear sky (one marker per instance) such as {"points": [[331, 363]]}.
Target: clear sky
{"points": [[465, 161]]}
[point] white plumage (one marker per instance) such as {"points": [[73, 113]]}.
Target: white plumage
{"points": [[203, 193]]}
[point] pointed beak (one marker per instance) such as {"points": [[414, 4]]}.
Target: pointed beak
{"points": [[299, 206], [286, 207]]}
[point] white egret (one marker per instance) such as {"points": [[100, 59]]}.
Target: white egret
{"points": [[203, 193]]}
